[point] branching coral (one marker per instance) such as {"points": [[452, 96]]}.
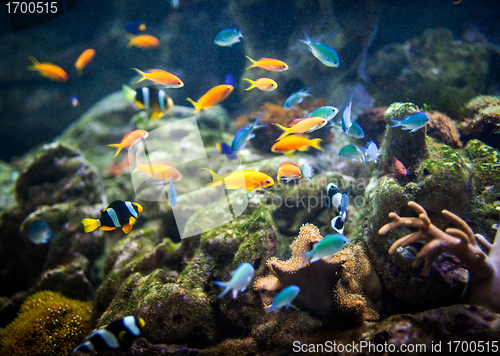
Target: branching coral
{"points": [[48, 324], [483, 287], [347, 283]]}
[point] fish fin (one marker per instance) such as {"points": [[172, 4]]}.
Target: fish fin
{"points": [[128, 93], [35, 63], [127, 228], [107, 228], [79, 71], [315, 143], [223, 285], [131, 38], [287, 131], [251, 81], [235, 293], [395, 123], [144, 75], [132, 220], [314, 259], [413, 130], [289, 153], [253, 63], [215, 178], [90, 225], [197, 106], [116, 145], [156, 115], [307, 40]]}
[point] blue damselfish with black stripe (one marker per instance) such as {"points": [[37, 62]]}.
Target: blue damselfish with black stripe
{"points": [[119, 213]]}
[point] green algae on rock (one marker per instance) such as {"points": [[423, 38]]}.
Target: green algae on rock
{"points": [[48, 324]]}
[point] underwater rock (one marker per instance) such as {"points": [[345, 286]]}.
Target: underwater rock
{"points": [[8, 177], [443, 129], [48, 324], [58, 174], [483, 120], [434, 69], [373, 123], [346, 285], [451, 326], [405, 146]]}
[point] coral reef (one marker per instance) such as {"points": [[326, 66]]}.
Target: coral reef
{"points": [[483, 287], [483, 121], [347, 283], [48, 324], [434, 69], [443, 129]]}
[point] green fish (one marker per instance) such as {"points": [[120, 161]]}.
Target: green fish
{"points": [[324, 52], [352, 152]]}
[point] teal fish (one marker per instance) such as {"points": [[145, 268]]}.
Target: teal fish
{"points": [[243, 135], [325, 248], [284, 298], [412, 122], [324, 52], [351, 128], [39, 232], [326, 112], [296, 98], [228, 37], [352, 152], [172, 195], [241, 277]]}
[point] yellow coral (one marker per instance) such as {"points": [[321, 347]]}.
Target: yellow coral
{"points": [[47, 324]]}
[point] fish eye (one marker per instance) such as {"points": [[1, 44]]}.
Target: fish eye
{"points": [[268, 181]]}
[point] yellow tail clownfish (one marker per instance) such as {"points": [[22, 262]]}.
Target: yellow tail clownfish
{"points": [[118, 214]]}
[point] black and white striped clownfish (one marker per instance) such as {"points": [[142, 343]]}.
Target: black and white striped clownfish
{"points": [[118, 214], [119, 333]]}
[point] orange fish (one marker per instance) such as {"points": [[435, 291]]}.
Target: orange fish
{"points": [[84, 59], [160, 77], [309, 124], [158, 170], [117, 169], [265, 84], [271, 64], [49, 70], [288, 171], [129, 139], [143, 41], [398, 168], [248, 179], [295, 142], [212, 97]]}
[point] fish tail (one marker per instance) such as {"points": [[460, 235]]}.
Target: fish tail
{"points": [[254, 63], [116, 145], [216, 178], [144, 75], [35, 63], [131, 38], [197, 106], [396, 123], [128, 93], [307, 40], [251, 81], [90, 225], [315, 143], [79, 71], [287, 131], [223, 285]]}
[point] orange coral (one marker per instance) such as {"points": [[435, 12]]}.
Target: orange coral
{"points": [[443, 129], [347, 283]]}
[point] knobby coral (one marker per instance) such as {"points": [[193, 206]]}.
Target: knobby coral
{"points": [[483, 287], [346, 284], [48, 324]]}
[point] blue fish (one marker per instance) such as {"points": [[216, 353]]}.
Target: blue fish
{"points": [[296, 98], [351, 128], [284, 298], [229, 80], [225, 149], [325, 248], [371, 152], [322, 51], [241, 278], [39, 232], [134, 27], [244, 134], [307, 171], [172, 195], [326, 112], [352, 152], [412, 122], [228, 37]]}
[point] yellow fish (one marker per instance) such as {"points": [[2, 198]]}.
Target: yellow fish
{"points": [[295, 142], [265, 84], [158, 170], [274, 65], [247, 178], [306, 125], [212, 97]]}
